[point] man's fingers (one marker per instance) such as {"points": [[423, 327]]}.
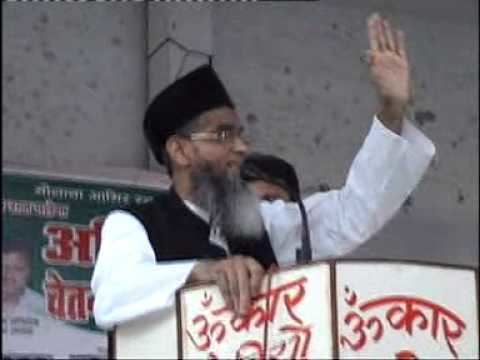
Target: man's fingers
{"points": [[244, 297], [380, 33], [382, 36], [224, 289], [239, 279], [389, 35], [372, 38], [400, 41], [231, 276], [257, 273]]}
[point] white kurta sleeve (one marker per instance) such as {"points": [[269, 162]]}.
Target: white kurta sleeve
{"points": [[127, 281], [384, 172]]}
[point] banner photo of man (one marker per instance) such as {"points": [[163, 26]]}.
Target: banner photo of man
{"points": [[50, 236]]}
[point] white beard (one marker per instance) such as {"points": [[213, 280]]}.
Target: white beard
{"points": [[232, 206]]}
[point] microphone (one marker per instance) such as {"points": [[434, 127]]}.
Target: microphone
{"points": [[304, 253]]}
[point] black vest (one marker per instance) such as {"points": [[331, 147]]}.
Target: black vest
{"points": [[176, 233]]}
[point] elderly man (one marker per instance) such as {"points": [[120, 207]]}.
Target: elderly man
{"points": [[209, 227]]}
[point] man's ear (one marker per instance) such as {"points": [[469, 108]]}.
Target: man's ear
{"points": [[176, 150]]}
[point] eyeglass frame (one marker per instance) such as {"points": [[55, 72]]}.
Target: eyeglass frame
{"points": [[226, 135]]}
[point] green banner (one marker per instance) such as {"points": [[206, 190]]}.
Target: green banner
{"points": [[56, 222]]}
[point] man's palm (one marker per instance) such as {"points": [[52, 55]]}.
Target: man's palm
{"points": [[391, 76], [389, 68]]}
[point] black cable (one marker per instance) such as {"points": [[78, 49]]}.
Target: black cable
{"points": [[304, 253], [187, 52]]}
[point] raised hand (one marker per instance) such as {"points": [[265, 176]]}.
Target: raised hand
{"points": [[389, 70], [239, 279]]}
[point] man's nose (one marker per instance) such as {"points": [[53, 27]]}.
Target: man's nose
{"points": [[241, 145], [8, 276]]}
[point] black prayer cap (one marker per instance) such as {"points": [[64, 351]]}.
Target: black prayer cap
{"points": [[271, 169], [180, 102]]}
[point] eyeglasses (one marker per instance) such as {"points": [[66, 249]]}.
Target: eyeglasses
{"points": [[223, 136]]}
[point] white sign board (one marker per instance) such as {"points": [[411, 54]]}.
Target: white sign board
{"points": [[343, 309], [397, 310]]}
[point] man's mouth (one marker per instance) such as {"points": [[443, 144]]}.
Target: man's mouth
{"points": [[233, 165]]}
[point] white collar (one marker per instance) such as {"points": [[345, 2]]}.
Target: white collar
{"points": [[215, 236], [198, 211]]}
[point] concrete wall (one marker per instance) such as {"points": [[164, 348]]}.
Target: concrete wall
{"points": [[74, 84], [75, 89], [295, 70]]}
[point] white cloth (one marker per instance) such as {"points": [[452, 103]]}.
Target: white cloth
{"points": [[128, 282], [27, 331], [215, 236], [29, 302]]}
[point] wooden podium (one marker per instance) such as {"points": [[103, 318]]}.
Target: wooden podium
{"points": [[322, 310]]}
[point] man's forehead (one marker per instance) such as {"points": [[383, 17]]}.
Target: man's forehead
{"points": [[14, 256], [224, 116], [270, 186]]}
